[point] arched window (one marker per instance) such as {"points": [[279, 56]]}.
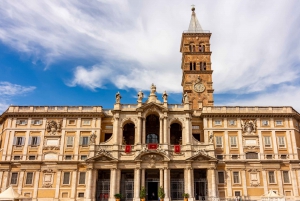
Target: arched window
{"points": [[175, 134], [152, 129], [128, 134], [192, 48], [201, 48]]}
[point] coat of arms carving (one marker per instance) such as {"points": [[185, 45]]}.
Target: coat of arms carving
{"points": [[52, 127], [248, 126]]}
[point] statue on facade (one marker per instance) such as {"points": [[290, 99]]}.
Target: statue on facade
{"points": [[211, 137], [186, 98], [153, 89], [93, 138], [118, 97], [140, 96], [165, 96], [249, 126]]}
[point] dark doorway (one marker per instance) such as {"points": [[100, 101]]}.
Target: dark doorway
{"points": [[200, 184], [152, 190]]}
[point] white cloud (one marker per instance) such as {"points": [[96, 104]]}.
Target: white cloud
{"points": [[255, 45], [9, 90]]}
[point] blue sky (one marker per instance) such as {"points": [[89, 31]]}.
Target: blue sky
{"points": [[77, 53]]}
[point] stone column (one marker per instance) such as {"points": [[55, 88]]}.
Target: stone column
{"points": [[190, 183], [275, 147], [244, 183], [57, 184], [41, 146], [112, 184], [167, 184], [289, 145], [161, 177], [187, 129], [294, 182], [279, 182], [166, 130], [137, 186], [211, 178], [138, 136], [144, 131], [118, 179], [228, 145], [264, 176], [229, 184], [116, 137], [74, 184], [36, 184], [5, 180], [240, 141], [25, 148], [261, 145], [143, 178], [20, 184], [161, 140]]}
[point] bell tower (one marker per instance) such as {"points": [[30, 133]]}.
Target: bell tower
{"points": [[196, 65]]}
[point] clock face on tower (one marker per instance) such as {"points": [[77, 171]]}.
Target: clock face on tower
{"points": [[199, 87]]}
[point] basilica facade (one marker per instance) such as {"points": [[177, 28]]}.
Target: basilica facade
{"points": [[211, 152]]}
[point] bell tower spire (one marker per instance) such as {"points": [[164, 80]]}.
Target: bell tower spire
{"points": [[196, 64]]}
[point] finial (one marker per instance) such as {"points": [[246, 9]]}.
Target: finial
{"points": [[193, 8]]}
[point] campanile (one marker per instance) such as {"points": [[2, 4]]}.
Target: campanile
{"points": [[196, 65]]}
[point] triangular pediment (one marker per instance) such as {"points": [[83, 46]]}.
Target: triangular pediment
{"points": [[201, 155], [103, 156]]}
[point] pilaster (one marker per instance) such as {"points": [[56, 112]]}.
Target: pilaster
{"points": [[36, 184], [137, 186], [58, 177], [167, 183]]}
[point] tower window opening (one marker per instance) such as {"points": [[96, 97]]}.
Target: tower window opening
{"points": [[204, 66], [191, 66], [192, 48], [194, 65]]}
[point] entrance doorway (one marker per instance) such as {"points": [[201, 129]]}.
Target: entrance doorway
{"points": [[177, 184], [127, 185], [200, 184], [152, 190], [103, 185]]}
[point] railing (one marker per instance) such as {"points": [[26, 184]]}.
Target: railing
{"points": [[175, 106], [54, 108], [128, 106], [230, 109]]}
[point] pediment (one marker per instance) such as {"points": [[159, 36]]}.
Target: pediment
{"points": [[103, 156], [155, 107], [201, 155], [152, 155]]}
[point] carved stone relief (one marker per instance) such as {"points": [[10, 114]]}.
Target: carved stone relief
{"points": [[53, 127], [248, 126]]}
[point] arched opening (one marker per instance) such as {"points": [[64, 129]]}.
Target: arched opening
{"points": [[194, 65], [191, 66], [176, 134], [192, 47], [201, 48], [152, 129], [203, 66], [128, 134]]}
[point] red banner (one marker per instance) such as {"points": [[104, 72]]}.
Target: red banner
{"points": [[177, 149], [152, 146], [127, 148]]}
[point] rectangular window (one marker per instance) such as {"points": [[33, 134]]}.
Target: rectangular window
{"points": [[71, 121], [19, 141], [235, 156], [278, 122], [220, 157], [17, 158], [31, 157], [83, 157], [70, 140], [236, 178], [281, 142], [66, 179], [36, 122], [265, 122], [233, 140], [218, 122], [86, 122], [269, 156], [80, 195], [221, 177], [267, 140], [271, 177], [237, 193], [14, 178], [29, 177], [34, 141], [21, 122], [283, 156], [219, 141], [231, 122], [82, 178], [195, 127], [286, 177], [68, 157], [84, 141]]}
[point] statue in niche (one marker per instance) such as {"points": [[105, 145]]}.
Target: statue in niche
{"points": [[211, 137], [186, 98], [118, 97], [140, 96], [249, 126], [165, 96], [93, 138]]}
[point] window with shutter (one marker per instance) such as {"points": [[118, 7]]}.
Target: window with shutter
{"points": [[233, 140], [219, 141], [267, 141], [66, 179], [286, 177], [281, 142], [85, 141], [271, 177], [70, 140], [29, 177], [82, 178], [236, 177]]}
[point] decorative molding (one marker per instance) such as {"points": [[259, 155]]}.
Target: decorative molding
{"points": [[47, 185], [51, 148]]}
